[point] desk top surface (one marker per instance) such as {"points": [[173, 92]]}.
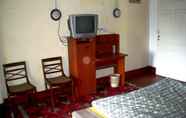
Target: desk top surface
{"points": [[109, 56]]}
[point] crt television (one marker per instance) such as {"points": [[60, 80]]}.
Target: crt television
{"points": [[83, 25]]}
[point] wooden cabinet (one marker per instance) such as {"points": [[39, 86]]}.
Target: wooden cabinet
{"points": [[85, 56], [82, 65]]}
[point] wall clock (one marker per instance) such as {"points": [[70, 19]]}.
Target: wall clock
{"points": [[116, 12], [55, 14]]}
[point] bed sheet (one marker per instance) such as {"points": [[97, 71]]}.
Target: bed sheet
{"points": [[164, 99]]}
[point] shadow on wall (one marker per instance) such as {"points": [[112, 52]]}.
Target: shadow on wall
{"points": [[3, 93]]}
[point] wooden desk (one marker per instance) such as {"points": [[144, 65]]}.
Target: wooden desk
{"points": [[115, 60]]}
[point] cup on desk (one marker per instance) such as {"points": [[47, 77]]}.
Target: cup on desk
{"points": [[114, 80]]}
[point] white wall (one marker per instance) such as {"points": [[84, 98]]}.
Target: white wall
{"points": [[28, 33], [136, 41]]}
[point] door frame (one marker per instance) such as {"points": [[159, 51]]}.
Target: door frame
{"points": [[153, 31]]}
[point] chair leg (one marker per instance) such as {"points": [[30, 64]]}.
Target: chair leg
{"points": [[52, 100], [13, 107], [46, 85], [32, 97], [73, 92]]}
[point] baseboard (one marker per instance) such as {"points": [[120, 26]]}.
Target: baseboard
{"points": [[148, 70]]}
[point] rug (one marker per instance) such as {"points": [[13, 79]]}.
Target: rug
{"points": [[64, 107]]}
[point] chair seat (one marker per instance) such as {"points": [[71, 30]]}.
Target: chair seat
{"points": [[21, 88], [58, 80]]}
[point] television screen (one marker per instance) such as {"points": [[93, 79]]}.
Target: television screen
{"points": [[85, 24]]}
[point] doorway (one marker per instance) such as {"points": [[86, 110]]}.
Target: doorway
{"points": [[168, 38]]}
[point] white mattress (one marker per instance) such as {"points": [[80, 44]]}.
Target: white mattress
{"points": [[84, 113], [164, 99]]}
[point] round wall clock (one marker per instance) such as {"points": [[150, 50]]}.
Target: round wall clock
{"points": [[116, 12], [55, 14]]}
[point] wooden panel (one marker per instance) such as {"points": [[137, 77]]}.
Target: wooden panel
{"points": [[82, 65], [107, 44], [73, 65], [104, 49], [148, 70], [86, 62]]}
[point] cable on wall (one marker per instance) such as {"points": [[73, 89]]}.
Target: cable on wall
{"points": [[55, 3], [56, 16], [62, 39]]}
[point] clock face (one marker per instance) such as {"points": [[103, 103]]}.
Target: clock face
{"points": [[55, 14], [116, 12]]}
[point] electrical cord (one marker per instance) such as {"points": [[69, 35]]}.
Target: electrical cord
{"points": [[62, 39], [55, 3]]}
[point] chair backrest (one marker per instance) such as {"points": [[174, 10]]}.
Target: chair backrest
{"points": [[52, 67], [15, 73]]}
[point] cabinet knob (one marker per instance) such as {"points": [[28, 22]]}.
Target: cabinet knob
{"points": [[86, 60]]}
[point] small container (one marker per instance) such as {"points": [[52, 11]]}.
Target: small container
{"points": [[114, 80]]}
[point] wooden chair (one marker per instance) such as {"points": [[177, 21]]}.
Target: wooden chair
{"points": [[55, 78], [16, 79], [17, 83]]}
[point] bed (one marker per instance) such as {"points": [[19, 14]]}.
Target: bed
{"points": [[164, 99]]}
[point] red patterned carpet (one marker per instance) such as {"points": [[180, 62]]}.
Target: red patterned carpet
{"points": [[64, 108]]}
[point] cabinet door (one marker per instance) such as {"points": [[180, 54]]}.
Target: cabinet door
{"points": [[86, 62]]}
